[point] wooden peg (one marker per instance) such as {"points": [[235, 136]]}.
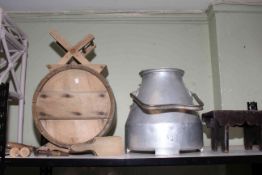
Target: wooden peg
{"points": [[24, 152], [14, 152]]}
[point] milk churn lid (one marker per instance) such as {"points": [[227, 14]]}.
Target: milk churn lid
{"points": [[146, 71]]}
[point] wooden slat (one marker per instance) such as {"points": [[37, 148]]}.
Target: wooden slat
{"points": [[84, 42], [89, 49], [75, 118], [80, 58], [61, 40], [100, 68], [65, 59], [72, 105], [72, 132]]}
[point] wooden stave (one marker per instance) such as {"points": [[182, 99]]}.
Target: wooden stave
{"points": [[111, 122]]}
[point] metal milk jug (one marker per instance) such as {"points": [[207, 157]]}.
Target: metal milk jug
{"points": [[163, 117]]}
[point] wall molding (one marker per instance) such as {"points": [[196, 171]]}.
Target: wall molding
{"points": [[234, 8], [111, 17]]}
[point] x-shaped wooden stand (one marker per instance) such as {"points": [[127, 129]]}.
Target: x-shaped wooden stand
{"points": [[77, 52]]}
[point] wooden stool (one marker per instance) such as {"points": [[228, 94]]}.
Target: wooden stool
{"points": [[220, 120]]}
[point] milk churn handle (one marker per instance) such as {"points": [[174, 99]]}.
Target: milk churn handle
{"points": [[166, 107]]}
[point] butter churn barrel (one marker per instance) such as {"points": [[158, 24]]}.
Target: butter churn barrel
{"points": [[73, 104]]}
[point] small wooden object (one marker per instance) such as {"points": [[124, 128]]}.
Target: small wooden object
{"points": [[50, 153], [19, 146], [18, 149], [51, 147], [24, 152], [14, 152]]}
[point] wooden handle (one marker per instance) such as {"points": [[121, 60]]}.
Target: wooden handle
{"points": [[82, 147], [61, 41], [85, 44], [77, 53], [101, 146]]}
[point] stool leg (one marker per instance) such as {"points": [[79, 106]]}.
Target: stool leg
{"points": [[248, 137], [225, 138], [260, 138], [214, 138], [214, 135]]}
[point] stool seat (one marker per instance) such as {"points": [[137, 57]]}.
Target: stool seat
{"points": [[233, 117]]}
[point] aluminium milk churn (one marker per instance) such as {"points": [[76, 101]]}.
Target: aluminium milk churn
{"points": [[163, 117]]}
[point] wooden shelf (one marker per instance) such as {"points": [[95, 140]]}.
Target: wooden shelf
{"points": [[237, 154]]}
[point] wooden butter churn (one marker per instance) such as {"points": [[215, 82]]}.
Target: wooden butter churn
{"points": [[74, 103]]}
